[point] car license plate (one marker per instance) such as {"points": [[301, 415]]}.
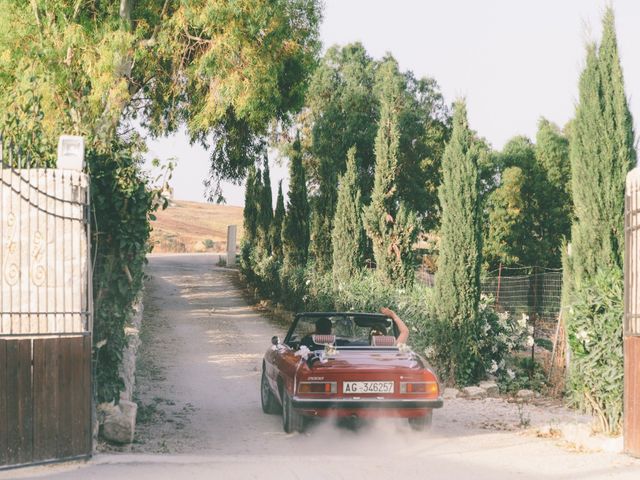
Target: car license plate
{"points": [[367, 387]]}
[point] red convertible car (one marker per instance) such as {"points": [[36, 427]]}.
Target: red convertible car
{"points": [[346, 365]]}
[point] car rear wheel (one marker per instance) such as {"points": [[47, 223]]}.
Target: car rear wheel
{"points": [[422, 423], [268, 399], [292, 421]]}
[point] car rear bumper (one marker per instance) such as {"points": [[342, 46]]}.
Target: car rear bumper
{"points": [[364, 403]]}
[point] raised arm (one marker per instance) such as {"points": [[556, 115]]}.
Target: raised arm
{"points": [[403, 334]]}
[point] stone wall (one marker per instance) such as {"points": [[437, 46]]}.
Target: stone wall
{"points": [[128, 367]]}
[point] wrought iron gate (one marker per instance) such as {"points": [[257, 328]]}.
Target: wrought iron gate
{"points": [[45, 313]]}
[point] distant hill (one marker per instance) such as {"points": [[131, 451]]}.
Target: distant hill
{"points": [[194, 227]]}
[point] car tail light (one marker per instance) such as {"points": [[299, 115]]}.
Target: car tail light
{"points": [[317, 387], [423, 388]]}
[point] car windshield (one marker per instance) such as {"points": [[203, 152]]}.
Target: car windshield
{"points": [[350, 330]]}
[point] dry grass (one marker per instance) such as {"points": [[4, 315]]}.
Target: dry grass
{"points": [[194, 227]]}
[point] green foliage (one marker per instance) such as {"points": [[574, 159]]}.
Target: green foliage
{"points": [[278, 221], [391, 227], [552, 154], [594, 327], [342, 110], [522, 373], [250, 211], [21, 118], [602, 152], [122, 204], [343, 113], [457, 287], [348, 231], [323, 211], [295, 232], [529, 211], [226, 69], [265, 212]]}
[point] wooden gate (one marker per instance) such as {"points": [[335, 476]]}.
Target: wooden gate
{"points": [[45, 401], [45, 313], [632, 315]]}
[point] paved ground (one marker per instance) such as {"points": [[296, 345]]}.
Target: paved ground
{"points": [[200, 415]]}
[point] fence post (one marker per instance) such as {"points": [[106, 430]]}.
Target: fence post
{"points": [[231, 245]]}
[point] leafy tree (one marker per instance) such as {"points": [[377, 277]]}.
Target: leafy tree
{"points": [[295, 232], [348, 231], [390, 225], [529, 211], [225, 69], [552, 154], [265, 212], [342, 110], [457, 289], [425, 128], [276, 226]]}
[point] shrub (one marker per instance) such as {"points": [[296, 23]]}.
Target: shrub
{"points": [[495, 336], [521, 373], [595, 339]]}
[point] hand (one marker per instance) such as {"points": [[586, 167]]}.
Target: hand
{"points": [[387, 311]]}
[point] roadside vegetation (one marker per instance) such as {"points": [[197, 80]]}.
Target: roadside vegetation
{"points": [[111, 70], [378, 159]]}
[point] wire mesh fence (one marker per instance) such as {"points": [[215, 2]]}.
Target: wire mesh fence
{"points": [[536, 295], [532, 291]]}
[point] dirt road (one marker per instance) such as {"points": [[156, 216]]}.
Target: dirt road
{"points": [[200, 415]]}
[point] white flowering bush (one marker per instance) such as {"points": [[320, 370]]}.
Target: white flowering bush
{"points": [[499, 336], [595, 338]]}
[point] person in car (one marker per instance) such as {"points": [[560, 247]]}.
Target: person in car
{"points": [[323, 327], [403, 331]]}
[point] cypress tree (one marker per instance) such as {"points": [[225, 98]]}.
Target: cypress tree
{"points": [[602, 152], [388, 223], [250, 211], [295, 232], [265, 212], [276, 226], [323, 213], [457, 286], [348, 231]]}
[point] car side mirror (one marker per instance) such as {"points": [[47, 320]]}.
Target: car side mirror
{"points": [[275, 340]]}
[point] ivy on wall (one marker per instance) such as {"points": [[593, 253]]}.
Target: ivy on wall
{"points": [[122, 204]]}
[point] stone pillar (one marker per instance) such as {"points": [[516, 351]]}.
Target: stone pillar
{"points": [[231, 245]]}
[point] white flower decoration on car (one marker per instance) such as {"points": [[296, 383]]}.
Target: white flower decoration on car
{"points": [[403, 347], [303, 352], [330, 350]]}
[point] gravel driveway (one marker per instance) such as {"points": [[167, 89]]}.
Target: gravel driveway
{"points": [[200, 416]]}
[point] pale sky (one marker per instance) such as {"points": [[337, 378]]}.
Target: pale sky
{"points": [[513, 60]]}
